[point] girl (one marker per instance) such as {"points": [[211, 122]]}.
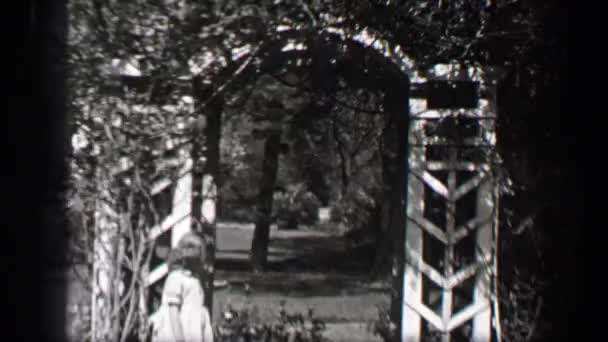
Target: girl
{"points": [[182, 316]]}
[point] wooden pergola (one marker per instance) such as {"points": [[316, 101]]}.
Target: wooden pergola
{"points": [[451, 172]]}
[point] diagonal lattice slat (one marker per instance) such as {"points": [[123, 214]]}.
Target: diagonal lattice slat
{"points": [[157, 274], [427, 314], [429, 227], [467, 314], [469, 227], [435, 184], [469, 185], [167, 224], [461, 276], [416, 261]]}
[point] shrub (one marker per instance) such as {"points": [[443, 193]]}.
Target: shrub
{"points": [[295, 204], [243, 325]]}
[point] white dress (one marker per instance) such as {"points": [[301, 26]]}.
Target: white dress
{"points": [[184, 290]]}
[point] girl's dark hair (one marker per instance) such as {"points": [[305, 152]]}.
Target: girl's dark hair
{"points": [[190, 248]]}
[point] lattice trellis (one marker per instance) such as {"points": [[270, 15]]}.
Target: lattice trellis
{"points": [[177, 223], [450, 159]]}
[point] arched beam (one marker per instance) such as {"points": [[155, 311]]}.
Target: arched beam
{"points": [[384, 65]]}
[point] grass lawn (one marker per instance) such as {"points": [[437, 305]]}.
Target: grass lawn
{"points": [[307, 269]]}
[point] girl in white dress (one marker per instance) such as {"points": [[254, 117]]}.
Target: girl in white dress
{"points": [[182, 316]]}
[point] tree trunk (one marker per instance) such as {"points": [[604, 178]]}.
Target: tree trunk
{"points": [[344, 159], [391, 192], [261, 235], [205, 180], [391, 248], [394, 160]]}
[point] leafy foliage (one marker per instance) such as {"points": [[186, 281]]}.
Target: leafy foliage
{"points": [[284, 65], [244, 325]]}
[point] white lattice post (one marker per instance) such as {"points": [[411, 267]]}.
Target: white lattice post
{"points": [[482, 294], [178, 221], [492, 101], [445, 136], [209, 216], [450, 226], [209, 209], [412, 278], [182, 202], [486, 209]]}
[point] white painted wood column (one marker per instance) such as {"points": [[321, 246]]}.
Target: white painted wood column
{"points": [[209, 209], [482, 227], [482, 294], [182, 202], [412, 278], [209, 216], [487, 210]]}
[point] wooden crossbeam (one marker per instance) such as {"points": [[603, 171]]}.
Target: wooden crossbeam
{"points": [[439, 114], [429, 227], [416, 261], [467, 272], [435, 184], [458, 166], [164, 183], [157, 274], [432, 274], [440, 141], [161, 185], [427, 314], [471, 225], [469, 185], [467, 314], [167, 224]]}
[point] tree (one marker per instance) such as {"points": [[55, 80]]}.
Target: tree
{"points": [[261, 234], [275, 104], [206, 180]]}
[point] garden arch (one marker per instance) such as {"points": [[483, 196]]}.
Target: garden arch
{"points": [[418, 121]]}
